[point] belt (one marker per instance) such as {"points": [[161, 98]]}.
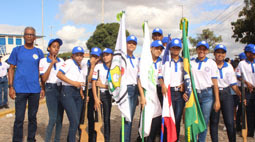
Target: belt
{"points": [[223, 89], [175, 89], [201, 90], [131, 84], [54, 84], [3, 76]]}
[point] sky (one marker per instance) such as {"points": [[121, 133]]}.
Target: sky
{"points": [[74, 21]]}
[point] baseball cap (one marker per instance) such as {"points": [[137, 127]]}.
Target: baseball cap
{"points": [[132, 38], [220, 46], [157, 30], [242, 56], [165, 40], [157, 43], [202, 43], [55, 39], [175, 42], [108, 50], [96, 51], [250, 48], [77, 49]]}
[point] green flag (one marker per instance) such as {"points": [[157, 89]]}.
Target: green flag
{"points": [[194, 119]]}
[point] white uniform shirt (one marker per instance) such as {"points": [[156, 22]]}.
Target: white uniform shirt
{"points": [[203, 72], [248, 70], [175, 72], [44, 65], [72, 71], [158, 69], [226, 76], [132, 70], [3, 69], [103, 74]]}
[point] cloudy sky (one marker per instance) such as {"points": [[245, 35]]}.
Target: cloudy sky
{"points": [[74, 21]]}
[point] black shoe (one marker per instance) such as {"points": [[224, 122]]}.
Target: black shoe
{"points": [[6, 106]]}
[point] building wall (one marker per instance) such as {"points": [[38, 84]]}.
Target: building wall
{"points": [[9, 47]]}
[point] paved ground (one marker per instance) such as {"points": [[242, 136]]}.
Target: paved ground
{"points": [[7, 124]]}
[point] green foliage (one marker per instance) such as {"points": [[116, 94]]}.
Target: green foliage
{"points": [[244, 27], [207, 36], [65, 55], [105, 36]]}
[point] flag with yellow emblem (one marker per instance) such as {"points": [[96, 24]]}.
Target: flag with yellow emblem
{"points": [[194, 120], [117, 74]]}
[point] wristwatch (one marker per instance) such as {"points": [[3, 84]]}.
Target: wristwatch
{"points": [[9, 86]]}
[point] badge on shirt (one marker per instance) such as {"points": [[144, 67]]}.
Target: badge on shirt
{"points": [[35, 56]]}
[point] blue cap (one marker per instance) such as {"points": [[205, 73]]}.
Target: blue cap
{"points": [[250, 48], [157, 30], [157, 43], [165, 40], [108, 50], [242, 56], [96, 51], [77, 49], [202, 43], [220, 46], [132, 38], [55, 39], [175, 42]]}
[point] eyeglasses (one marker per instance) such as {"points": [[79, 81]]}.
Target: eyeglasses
{"points": [[29, 35]]}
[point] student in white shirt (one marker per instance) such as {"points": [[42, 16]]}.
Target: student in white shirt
{"points": [[88, 68], [157, 34], [226, 81], [3, 83], [100, 79], [156, 50], [205, 72], [71, 93], [247, 68], [173, 70], [132, 89], [49, 67]]}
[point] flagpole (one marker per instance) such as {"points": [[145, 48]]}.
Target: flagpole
{"points": [[162, 130], [123, 129], [143, 122]]}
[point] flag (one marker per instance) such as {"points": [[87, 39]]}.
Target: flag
{"points": [[194, 119], [148, 82], [168, 116], [117, 74], [167, 111]]}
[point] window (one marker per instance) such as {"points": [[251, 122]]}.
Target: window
{"points": [[18, 41], [2, 40], [10, 40]]}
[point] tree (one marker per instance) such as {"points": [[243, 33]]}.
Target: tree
{"points": [[105, 36], [207, 36], [244, 27]]}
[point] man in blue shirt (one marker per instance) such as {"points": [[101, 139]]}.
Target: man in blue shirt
{"points": [[25, 85]]}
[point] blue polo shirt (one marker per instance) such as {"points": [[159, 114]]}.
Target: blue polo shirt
{"points": [[26, 79]]}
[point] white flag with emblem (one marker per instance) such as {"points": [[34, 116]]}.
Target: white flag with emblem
{"points": [[117, 75], [148, 82]]}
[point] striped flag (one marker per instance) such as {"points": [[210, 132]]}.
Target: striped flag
{"points": [[167, 112], [194, 119], [148, 82], [117, 75]]}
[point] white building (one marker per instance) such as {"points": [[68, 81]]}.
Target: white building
{"points": [[9, 41]]}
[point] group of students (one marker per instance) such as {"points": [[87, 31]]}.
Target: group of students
{"points": [[65, 83]]}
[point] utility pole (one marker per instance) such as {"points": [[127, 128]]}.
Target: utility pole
{"points": [[182, 9], [51, 35], [102, 16]]}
